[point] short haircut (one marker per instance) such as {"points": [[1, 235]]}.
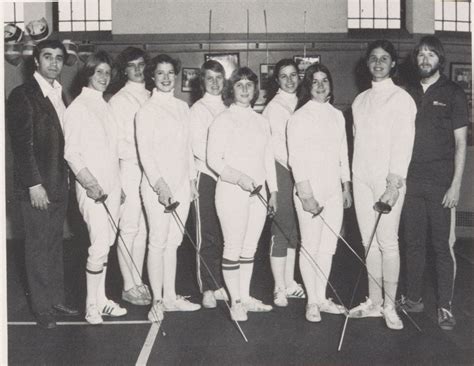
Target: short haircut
{"points": [[433, 44], [388, 47], [237, 75], [161, 59], [49, 43], [94, 60], [304, 89], [122, 60], [211, 65]]}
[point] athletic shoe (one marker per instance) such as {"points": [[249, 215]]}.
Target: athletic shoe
{"points": [[180, 304], [137, 295], [391, 317], [221, 295], [312, 313], [446, 319], [209, 300], [93, 315], [238, 312], [279, 298], [295, 291], [156, 312], [366, 310], [411, 306], [329, 306], [256, 306], [111, 308]]}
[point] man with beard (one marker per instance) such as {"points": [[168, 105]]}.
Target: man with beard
{"points": [[434, 177]]}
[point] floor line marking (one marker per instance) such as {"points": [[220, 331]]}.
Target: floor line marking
{"points": [[112, 322], [148, 345]]}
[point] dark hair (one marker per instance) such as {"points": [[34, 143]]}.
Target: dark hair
{"points": [[434, 45], [273, 84], [94, 60], [121, 63], [211, 65], [161, 59], [304, 89], [49, 43], [237, 75], [388, 47]]}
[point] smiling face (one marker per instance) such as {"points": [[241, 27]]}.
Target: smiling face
{"points": [[428, 62], [50, 63], [101, 78], [213, 82], [380, 64], [288, 79], [165, 77], [135, 70], [244, 91], [321, 87]]}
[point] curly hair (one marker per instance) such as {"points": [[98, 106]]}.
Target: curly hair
{"points": [[150, 67]]}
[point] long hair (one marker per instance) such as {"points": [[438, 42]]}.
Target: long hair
{"points": [[82, 77], [237, 75], [198, 88], [273, 84], [433, 44], [304, 89]]}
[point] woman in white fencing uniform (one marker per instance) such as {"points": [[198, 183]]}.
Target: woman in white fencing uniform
{"points": [[125, 104], [209, 238], [317, 147], [91, 149], [284, 241], [384, 131], [239, 151], [164, 148]]}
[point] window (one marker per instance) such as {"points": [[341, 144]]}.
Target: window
{"points": [[83, 15], [13, 13], [374, 14], [453, 15]]}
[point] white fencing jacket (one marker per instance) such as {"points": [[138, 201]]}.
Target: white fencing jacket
{"points": [[240, 138], [163, 138], [278, 112], [317, 147], [203, 113], [91, 139], [125, 104], [384, 131]]}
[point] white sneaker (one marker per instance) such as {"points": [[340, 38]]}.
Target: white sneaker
{"points": [[156, 312], [180, 304], [111, 308], [209, 300], [366, 310], [238, 312], [312, 313], [391, 317], [254, 305], [93, 315], [279, 297], [221, 295], [137, 295], [295, 291], [328, 306]]}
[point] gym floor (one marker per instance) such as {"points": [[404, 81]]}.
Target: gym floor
{"points": [[209, 337]]}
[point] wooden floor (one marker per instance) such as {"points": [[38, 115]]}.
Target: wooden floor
{"points": [[209, 337]]}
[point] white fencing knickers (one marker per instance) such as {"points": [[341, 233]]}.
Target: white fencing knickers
{"points": [[383, 260], [102, 234]]}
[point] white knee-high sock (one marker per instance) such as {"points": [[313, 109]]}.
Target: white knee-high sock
{"points": [[93, 281], [125, 262], [101, 296], [246, 270], [290, 266], [138, 254], [231, 274], [309, 276], [155, 272], [324, 261], [169, 257], [374, 265], [391, 271], [278, 265]]}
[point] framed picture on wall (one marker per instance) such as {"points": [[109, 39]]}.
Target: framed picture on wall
{"points": [[230, 61], [304, 61], [461, 73], [266, 73], [189, 74]]}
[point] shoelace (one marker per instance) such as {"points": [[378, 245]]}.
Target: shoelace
{"points": [[446, 314]]}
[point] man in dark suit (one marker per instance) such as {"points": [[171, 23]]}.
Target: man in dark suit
{"points": [[34, 116]]}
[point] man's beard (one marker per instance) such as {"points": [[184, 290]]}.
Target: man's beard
{"points": [[426, 73]]}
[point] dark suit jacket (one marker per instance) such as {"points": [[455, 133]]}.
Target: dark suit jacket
{"points": [[37, 142]]}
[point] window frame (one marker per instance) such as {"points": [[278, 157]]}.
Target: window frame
{"points": [[381, 31], [455, 21], [21, 24]]}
